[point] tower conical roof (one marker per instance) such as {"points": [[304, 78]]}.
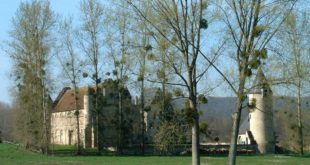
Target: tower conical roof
{"points": [[260, 82]]}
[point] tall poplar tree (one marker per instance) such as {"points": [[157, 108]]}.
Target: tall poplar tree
{"points": [[71, 67], [91, 43], [118, 50], [30, 50]]}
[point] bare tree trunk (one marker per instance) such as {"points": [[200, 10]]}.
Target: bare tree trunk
{"points": [[97, 110], [145, 42], [299, 116], [120, 138], [98, 139], [234, 134], [45, 122], [195, 115], [142, 117], [195, 142], [236, 120], [44, 107], [120, 90], [77, 117]]}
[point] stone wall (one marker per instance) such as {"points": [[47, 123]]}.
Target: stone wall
{"points": [[64, 127]]}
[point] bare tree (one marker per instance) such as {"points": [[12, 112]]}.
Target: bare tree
{"points": [[142, 74], [292, 47], [140, 49], [6, 122], [91, 45], [184, 19], [251, 25], [71, 67], [117, 41]]}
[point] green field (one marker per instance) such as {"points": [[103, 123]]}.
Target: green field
{"points": [[11, 155]]}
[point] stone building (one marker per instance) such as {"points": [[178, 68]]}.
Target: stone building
{"points": [[64, 124], [258, 128], [63, 120]]}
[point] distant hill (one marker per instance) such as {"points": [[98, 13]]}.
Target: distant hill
{"points": [[217, 113]]}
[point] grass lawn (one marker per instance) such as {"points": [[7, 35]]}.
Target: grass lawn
{"points": [[13, 155]]}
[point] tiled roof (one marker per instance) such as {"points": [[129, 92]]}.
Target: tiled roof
{"points": [[65, 100]]}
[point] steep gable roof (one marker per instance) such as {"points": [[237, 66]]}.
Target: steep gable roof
{"points": [[150, 95], [65, 100]]}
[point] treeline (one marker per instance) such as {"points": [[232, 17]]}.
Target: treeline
{"points": [[178, 45], [6, 124]]}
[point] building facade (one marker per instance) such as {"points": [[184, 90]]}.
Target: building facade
{"points": [[63, 119], [64, 123]]}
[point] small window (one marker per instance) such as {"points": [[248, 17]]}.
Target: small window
{"points": [[265, 92], [103, 92]]}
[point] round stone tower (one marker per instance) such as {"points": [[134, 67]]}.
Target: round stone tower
{"points": [[261, 114]]}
